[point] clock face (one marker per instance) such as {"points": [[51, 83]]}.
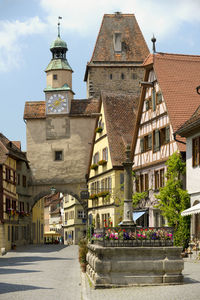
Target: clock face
{"points": [[57, 103]]}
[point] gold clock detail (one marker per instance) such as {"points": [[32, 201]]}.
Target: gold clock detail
{"points": [[57, 103]]}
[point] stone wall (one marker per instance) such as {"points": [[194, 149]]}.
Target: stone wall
{"points": [[121, 78], [114, 267]]}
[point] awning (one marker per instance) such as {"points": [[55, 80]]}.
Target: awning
{"points": [[192, 210], [138, 214]]}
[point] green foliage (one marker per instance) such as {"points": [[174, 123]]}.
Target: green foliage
{"points": [[137, 197], [173, 200], [83, 251]]}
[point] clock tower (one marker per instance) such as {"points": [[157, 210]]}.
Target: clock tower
{"points": [[58, 92]]}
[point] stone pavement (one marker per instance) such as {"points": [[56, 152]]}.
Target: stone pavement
{"points": [[189, 290], [41, 272]]}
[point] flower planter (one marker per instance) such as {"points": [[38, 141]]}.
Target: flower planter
{"points": [[102, 162], [94, 167], [99, 129], [83, 267]]}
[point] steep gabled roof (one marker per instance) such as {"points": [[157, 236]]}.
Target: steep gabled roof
{"points": [[178, 77], [8, 148], [191, 125], [120, 111], [134, 47], [85, 107]]}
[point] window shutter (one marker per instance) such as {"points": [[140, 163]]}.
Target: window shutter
{"points": [[154, 99], [150, 141], [142, 145], [157, 140], [167, 134], [147, 105]]}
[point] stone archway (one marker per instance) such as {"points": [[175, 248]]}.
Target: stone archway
{"points": [[75, 190]]}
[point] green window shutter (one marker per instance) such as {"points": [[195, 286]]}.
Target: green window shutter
{"points": [[147, 104], [150, 141], [142, 145], [157, 140], [154, 99], [167, 134]]}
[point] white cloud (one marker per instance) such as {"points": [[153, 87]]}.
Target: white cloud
{"points": [[10, 35], [160, 17]]}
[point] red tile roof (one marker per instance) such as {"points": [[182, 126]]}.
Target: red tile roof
{"points": [[120, 114], [135, 47], [178, 77], [8, 148], [191, 124], [36, 109]]}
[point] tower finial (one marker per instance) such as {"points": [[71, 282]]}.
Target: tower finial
{"points": [[154, 43], [59, 18]]}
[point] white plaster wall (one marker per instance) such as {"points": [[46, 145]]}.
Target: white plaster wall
{"points": [[193, 173]]}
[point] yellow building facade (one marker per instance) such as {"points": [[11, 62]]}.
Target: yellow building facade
{"points": [[106, 175], [37, 233], [74, 224], [14, 200]]}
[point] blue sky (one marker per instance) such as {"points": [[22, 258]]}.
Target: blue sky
{"points": [[27, 29]]}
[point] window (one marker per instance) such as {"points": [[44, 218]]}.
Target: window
{"points": [[159, 177], [117, 42], [102, 185], [96, 158], [146, 182], [58, 155], [81, 214], [8, 204], [161, 137], [8, 174], [18, 179], [105, 154], [16, 233], [142, 183], [14, 177], [121, 181], [8, 233], [122, 76], [21, 206], [148, 103], [24, 180], [55, 77], [158, 97], [111, 76], [14, 204], [27, 207], [146, 143], [110, 184], [195, 151]]}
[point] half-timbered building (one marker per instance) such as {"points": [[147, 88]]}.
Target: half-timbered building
{"points": [[164, 105]]}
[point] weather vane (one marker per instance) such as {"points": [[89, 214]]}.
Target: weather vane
{"points": [[59, 18]]}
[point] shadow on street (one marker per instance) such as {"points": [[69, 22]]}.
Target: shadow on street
{"points": [[9, 288]]}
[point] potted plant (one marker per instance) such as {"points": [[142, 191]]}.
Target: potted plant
{"points": [[102, 162], [82, 254], [94, 167], [99, 129]]}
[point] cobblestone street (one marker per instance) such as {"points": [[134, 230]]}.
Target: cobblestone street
{"points": [[40, 272], [53, 272]]}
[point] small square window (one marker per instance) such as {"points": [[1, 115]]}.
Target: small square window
{"points": [[58, 155], [55, 77]]}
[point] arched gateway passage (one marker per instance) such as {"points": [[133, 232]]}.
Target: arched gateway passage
{"points": [[78, 191]]}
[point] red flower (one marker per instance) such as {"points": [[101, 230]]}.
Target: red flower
{"points": [[124, 230]]}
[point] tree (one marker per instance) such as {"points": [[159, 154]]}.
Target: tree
{"points": [[173, 199]]}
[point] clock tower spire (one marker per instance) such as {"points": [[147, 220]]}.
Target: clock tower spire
{"points": [[58, 91]]}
